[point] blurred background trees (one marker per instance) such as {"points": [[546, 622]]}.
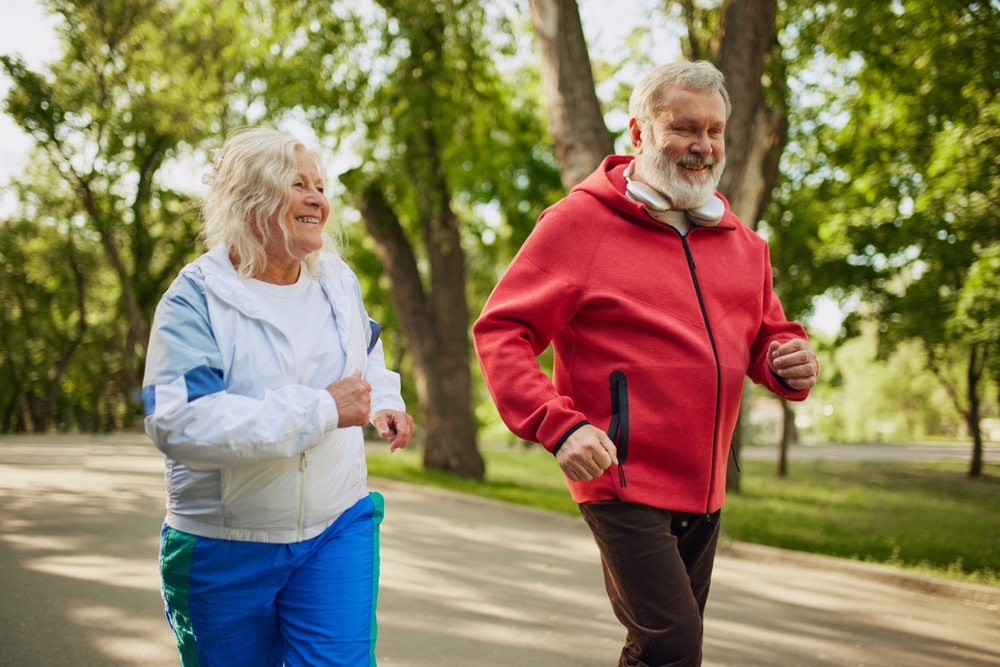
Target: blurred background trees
{"points": [[864, 146]]}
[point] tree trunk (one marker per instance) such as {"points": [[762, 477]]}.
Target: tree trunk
{"points": [[8, 413], [977, 359], [736, 443], [753, 129], [751, 125], [431, 308], [438, 341], [27, 418], [579, 136], [789, 436], [67, 354], [137, 332]]}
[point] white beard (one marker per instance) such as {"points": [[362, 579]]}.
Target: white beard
{"points": [[659, 172]]}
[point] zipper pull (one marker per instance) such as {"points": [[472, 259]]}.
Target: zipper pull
{"points": [[708, 517], [687, 253], [303, 462]]}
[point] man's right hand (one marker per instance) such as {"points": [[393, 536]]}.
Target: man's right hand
{"points": [[353, 396], [586, 454]]}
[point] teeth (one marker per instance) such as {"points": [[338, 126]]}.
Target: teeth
{"points": [[308, 219]]}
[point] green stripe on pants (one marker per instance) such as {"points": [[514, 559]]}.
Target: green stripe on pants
{"points": [[176, 551], [379, 503]]}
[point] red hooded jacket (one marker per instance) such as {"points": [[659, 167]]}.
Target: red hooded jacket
{"points": [[652, 331]]}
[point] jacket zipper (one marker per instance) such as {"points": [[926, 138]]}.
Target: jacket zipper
{"points": [[718, 372], [303, 464]]}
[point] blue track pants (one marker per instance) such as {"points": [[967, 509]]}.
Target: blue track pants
{"points": [[306, 604]]}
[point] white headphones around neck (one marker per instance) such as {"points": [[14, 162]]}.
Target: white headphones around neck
{"points": [[707, 215]]}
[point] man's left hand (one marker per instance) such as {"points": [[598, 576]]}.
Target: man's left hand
{"points": [[794, 362], [395, 426]]}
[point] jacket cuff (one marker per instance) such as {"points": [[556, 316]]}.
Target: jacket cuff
{"points": [[573, 429], [385, 404], [784, 384], [328, 410]]}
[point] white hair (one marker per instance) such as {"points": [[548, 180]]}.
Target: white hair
{"points": [[646, 100], [250, 185]]}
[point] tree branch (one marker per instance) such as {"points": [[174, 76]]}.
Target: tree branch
{"points": [[690, 19]]}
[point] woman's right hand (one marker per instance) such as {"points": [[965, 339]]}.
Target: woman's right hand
{"points": [[353, 396]]}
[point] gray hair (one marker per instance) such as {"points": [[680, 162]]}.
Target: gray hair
{"points": [[702, 75], [250, 185]]}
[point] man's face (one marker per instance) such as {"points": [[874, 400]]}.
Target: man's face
{"points": [[682, 152]]}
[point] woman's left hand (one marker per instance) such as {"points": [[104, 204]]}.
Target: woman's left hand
{"points": [[395, 426]]}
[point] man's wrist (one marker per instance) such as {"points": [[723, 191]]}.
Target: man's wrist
{"points": [[573, 429], [781, 381]]}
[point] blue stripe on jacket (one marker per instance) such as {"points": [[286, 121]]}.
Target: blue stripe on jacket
{"points": [[199, 381], [376, 332]]}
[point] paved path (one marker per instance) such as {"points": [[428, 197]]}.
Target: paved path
{"points": [[464, 582], [961, 452]]}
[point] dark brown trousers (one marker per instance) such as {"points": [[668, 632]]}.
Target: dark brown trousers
{"points": [[657, 569]]}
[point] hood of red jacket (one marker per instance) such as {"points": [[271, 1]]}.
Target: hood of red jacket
{"points": [[607, 184]]}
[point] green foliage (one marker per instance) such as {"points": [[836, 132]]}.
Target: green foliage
{"points": [[893, 170], [899, 162], [143, 85], [867, 399], [380, 78], [977, 316], [443, 114], [138, 84]]}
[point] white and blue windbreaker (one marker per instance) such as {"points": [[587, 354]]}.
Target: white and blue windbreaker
{"points": [[250, 455]]}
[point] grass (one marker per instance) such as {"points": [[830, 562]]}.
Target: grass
{"points": [[921, 516], [928, 517]]}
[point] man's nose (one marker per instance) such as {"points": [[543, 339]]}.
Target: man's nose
{"points": [[701, 145]]}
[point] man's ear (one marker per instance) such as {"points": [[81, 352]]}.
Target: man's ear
{"points": [[635, 133]]}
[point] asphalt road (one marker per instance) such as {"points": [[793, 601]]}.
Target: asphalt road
{"points": [[464, 582], [961, 452]]}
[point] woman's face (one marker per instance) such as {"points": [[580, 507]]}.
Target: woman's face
{"points": [[305, 218]]}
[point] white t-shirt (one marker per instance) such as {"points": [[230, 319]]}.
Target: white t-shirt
{"points": [[305, 316]]}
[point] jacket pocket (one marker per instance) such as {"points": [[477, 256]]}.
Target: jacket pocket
{"points": [[618, 430]]}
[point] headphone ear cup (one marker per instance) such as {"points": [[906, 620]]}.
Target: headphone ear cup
{"points": [[708, 214], [648, 196]]}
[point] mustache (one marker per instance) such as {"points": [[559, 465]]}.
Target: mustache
{"points": [[689, 160]]}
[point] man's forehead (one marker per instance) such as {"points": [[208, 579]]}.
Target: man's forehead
{"points": [[681, 103]]}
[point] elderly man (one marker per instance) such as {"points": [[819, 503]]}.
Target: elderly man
{"points": [[657, 301]]}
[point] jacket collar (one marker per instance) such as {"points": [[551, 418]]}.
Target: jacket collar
{"points": [[226, 283]]}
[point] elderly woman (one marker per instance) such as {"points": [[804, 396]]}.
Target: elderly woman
{"points": [[262, 367]]}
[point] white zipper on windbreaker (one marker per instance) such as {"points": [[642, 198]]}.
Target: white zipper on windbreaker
{"points": [[303, 464]]}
